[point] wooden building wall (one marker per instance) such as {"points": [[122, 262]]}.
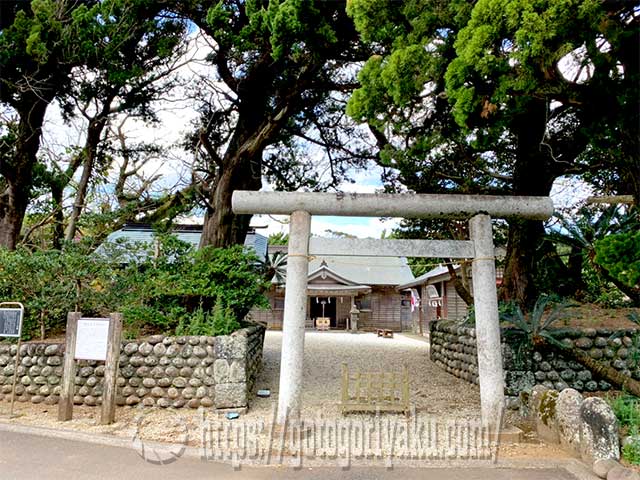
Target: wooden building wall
{"points": [[385, 312]]}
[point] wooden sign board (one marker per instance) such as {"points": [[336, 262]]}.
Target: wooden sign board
{"points": [[92, 338], [11, 322]]}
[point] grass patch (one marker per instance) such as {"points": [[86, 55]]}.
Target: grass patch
{"points": [[627, 411]]}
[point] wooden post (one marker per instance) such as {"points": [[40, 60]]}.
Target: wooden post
{"points": [[108, 412], [421, 314], [65, 405]]}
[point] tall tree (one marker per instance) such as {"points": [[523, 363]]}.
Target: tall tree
{"points": [[501, 96], [278, 70], [124, 74], [106, 56], [35, 46]]}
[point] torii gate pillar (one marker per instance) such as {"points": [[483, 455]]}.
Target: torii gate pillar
{"points": [[295, 315], [485, 302]]}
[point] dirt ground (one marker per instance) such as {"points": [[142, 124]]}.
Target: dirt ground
{"points": [[594, 316]]}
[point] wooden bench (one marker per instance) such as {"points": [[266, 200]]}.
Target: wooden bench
{"points": [[384, 332], [375, 391]]}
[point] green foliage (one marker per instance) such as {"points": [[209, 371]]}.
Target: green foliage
{"points": [[501, 97], [279, 238], [154, 293], [51, 283], [627, 411], [620, 255], [631, 451], [600, 291], [220, 321], [528, 328], [274, 267]]}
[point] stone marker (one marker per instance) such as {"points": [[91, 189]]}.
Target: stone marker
{"points": [[621, 473], [568, 417], [598, 431]]}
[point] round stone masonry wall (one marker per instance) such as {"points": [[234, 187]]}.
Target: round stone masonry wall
{"points": [[453, 349], [159, 371]]}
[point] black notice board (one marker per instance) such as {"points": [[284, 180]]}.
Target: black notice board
{"points": [[10, 322]]}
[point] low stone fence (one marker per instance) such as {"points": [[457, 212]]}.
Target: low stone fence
{"points": [[453, 347], [165, 371]]}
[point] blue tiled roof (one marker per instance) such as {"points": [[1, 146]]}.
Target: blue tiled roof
{"points": [[190, 234]]}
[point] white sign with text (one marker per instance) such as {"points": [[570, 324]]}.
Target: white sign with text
{"points": [[91, 339]]}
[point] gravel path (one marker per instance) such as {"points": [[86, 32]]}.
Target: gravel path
{"points": [[432, 390]]}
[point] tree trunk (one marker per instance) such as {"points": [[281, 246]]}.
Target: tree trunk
{"points": [[460, 285], [223, 228], [58, 216], [532, 176], [94, 134], [18, 172], [12, 210]]}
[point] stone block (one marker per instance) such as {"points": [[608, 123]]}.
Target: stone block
{"points": [[230, 347], [130, 348], [145, 349], [221, 370], [545, 416], [159, 349], [621, 473], [155, 339], [229, 395], [52, 350], [601, 467]]}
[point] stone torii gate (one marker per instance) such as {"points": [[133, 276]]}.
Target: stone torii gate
{"points": [[478, 209]]}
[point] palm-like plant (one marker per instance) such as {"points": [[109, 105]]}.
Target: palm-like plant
{"points": [[274, 267], [581, 232]]}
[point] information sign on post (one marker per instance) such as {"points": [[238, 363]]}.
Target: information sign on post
{"points": [[11, 316], [11, 322], [91, 339]]}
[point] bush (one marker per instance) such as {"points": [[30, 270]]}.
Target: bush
{"points": [[220, 321], [51, 283], [154, 292], [620, 255]]}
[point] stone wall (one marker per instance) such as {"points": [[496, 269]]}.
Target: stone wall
{"points": [[174, 372], [453, 347]]}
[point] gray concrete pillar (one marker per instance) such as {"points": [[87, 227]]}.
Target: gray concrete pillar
{"points": [[295, 314], [485, 301]]}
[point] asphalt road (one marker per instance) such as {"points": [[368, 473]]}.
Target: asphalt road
{"points": [[25, 457]]}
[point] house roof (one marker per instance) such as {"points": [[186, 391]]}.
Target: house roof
{"points": [[366, 270], [436, 274], [187, 233]]}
